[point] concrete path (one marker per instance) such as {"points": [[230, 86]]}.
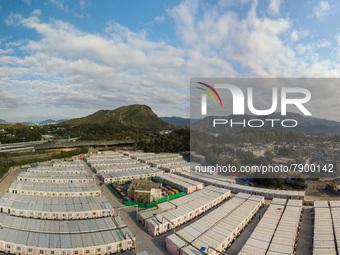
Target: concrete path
{"points": [[305, 237]]}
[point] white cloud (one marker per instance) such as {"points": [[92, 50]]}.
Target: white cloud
{"points": [[274, 7], [296, 35], [323, 44], [159, 19], [184, 16], [36, 12], [28, 2], [82, 4], [72, 68], [323, 9], [60, 4]]}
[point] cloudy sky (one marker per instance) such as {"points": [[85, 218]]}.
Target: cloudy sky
{"points": [[65, 59]]}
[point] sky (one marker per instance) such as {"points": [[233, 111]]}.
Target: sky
{"points": [[64, 59]]}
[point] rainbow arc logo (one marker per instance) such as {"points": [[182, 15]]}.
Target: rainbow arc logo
{"points": [[209, 93]]}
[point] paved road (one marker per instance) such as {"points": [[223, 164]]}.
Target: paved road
{"points": [[305, 242], [153, 245], [7, 179]]}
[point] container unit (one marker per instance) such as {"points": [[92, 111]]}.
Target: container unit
{"points": [[74, 163], [165, 163], [145, 214], [286, 233], [109, 153], [42, 189], [106, 155], [61, 227], [55, 207], [208, 179], [323, 239], [161, 156], [335, 212], [176, 242], [113, 168], [135, 154], [152, 157], [32, 243], [55, 178], [174, 215], [121, 177], [262, 235], [180, 182], [179, 167], [218, 228], [112, 163], [157, 159], [92, 160], [56, 169]]}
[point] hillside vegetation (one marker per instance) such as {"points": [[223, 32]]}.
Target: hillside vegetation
{"points": [[131, 116]]}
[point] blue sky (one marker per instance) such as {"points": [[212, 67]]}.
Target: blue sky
{"points": [[66, 59]]}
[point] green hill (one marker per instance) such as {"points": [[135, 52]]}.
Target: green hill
{"points": [[135, 116]]}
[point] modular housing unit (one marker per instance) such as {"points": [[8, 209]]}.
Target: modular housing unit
{"points": [[180, 182], [112, 162], [153, 157], [67, 164], [324, 237], [286, 233], [207, 179], [56, 169], [166, 163], [61, 226], [179, 167], [335, 212], [121, 177], [114, 168], [55, 178], [217, 229], [89, 243], [59, 208], [43, 189], [106, 155], [219, 181], [276, 233], [178, 211], [98, 157]]}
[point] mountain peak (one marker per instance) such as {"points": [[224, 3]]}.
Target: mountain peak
{"points": [[137, 116]]}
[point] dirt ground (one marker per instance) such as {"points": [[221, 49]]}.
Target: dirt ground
{"points": [[317, 191]]}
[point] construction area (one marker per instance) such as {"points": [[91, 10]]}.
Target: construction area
{"points": [[148, 203]]}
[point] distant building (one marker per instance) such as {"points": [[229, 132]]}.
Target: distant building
{"points": [[47, 137], [165, 132], [144, 191]]}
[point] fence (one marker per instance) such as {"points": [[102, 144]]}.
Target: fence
{"points": [[142, 205]]}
